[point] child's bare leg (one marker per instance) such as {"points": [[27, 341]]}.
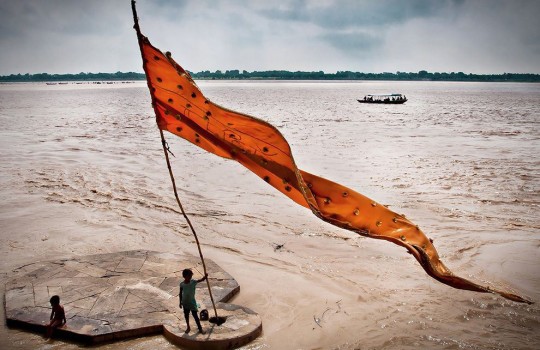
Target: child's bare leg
{"points": [[196, 317], [186, 315], [51, 326], [49, 331]]}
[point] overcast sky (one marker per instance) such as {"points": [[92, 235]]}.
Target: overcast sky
{"points": [[472, 36]]}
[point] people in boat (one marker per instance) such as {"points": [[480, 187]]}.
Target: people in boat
{"points": [[385, 98]]}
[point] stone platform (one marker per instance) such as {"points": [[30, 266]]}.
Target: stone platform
{"points": [[114, 296]]}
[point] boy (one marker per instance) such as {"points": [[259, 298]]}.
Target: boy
{"points": [[187, 298], [58, 316]]}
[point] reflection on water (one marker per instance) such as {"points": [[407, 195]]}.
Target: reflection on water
{"points": [[83, 172]]}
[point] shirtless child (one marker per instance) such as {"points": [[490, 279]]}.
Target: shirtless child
{"points": [[58, 316]]}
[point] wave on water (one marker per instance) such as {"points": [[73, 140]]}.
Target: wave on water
{"points": [[458, 161]]}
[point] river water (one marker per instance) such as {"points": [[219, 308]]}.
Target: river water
{"points": [[82, 172]]}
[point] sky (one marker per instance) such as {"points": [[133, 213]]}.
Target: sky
{"points": [[471, 36]]}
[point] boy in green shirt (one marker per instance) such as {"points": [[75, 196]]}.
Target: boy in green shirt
{"points": [[187, 298]]}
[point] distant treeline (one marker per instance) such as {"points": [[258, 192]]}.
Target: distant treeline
{"points": [[348, 75], [282, 75], [72, 77]]}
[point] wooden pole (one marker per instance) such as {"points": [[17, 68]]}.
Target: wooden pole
{"points": [[187, 219], [164, 144]]}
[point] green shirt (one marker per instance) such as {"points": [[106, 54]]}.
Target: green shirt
{"points": [[188, 295]]}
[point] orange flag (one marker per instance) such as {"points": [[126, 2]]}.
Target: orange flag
{"points": [[182, 109]]}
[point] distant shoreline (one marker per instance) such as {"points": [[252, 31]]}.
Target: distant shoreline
{"points": [[281, 75]]}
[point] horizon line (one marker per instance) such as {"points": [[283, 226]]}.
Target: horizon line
{"points": [[240, 72]]}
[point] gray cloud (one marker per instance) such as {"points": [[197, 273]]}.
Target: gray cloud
{"points": [[342, 14], [480, 36], [62, 17], [63, 35], [353, 42]]}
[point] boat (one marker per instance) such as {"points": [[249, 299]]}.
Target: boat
{"points": [[385, 99]]}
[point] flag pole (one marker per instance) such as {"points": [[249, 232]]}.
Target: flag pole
{"points": [[218, 320], [164, 143]]}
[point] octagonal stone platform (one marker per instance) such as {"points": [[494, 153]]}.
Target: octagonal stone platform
{"points": [[114, 296]]}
